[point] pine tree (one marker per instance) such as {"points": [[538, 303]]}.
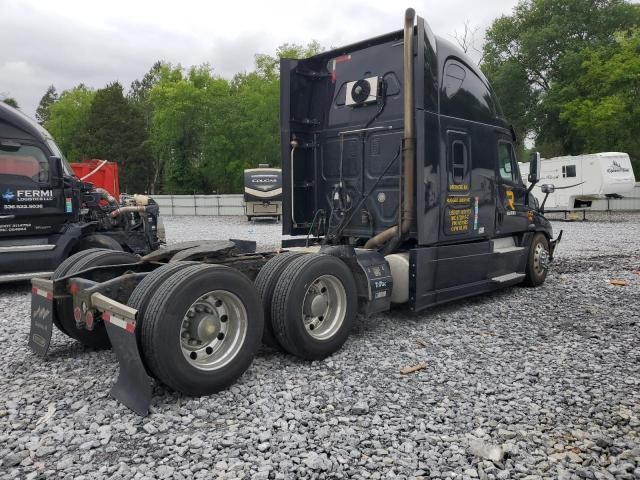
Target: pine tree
{"points": [[11, 101], [49, 98]]}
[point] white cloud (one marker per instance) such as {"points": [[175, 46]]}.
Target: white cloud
{"points": [[70, 41]]}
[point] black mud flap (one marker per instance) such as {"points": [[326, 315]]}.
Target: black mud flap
{"points": [[553, 244], [134, 386], [42, 312]]}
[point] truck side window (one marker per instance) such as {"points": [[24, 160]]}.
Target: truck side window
{"points": [[506, 162], [25, 161], [458, 161], [568, 171]]}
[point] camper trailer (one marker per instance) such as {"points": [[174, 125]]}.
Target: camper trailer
{"points": [[580, 179], [263, 192]]}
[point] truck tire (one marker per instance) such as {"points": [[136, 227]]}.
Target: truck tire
{"points": [[97, 241], [69, 262], [202, 328], [265, 283], [314, 306], [537, 261], [61, 271], [96, 338], [141, 295]]}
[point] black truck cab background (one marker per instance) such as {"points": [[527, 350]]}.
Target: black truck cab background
{"points": [[46, 213], [401, 181], [422, 163]]}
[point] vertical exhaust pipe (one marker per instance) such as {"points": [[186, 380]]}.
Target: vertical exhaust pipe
{"points": [[407, 178], [409, 138]]}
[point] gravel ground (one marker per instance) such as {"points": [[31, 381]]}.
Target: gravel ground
{"points": [[523, 383]]}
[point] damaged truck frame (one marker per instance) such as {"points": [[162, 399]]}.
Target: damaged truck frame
{"points": [[402, 183]]}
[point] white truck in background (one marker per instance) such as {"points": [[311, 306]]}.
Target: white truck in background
{"points": [[580, 179]]}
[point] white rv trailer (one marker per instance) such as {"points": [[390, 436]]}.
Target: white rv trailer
{"points": [[580, 179], [263, 192]]}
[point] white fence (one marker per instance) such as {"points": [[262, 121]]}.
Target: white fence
{"points": [[200, 204], [234, 204]]}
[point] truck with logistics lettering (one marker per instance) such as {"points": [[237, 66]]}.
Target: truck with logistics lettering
{"points": [[400, 186], [47, 213]]}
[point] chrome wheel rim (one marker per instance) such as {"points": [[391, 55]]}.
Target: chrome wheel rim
{"points": [[540, 258], [213, 330], [324, 307]]}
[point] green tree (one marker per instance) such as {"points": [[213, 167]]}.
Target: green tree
{"points": [[528, 53], [602, 110], [42, 112], [183, 116], [67, 120], [138, 97], [115, 131], [205, 129], [11, 101]]}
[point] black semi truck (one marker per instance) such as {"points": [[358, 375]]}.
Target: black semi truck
{"points": [[48, 214], [401, 184]]}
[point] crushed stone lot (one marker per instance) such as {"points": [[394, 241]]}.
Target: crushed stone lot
{"points": [[522, 383]]}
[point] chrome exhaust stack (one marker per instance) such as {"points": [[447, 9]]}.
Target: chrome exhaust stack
{"points": [[407, 178]]}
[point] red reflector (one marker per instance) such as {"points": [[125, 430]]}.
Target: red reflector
{"points": [[73, 288], [89, 320], [105, 316], [34, 290], [77, 314], [130, 327], [50, 295]]}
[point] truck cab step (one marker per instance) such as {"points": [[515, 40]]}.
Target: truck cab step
{"points": [[508, 278], [508, 249]]}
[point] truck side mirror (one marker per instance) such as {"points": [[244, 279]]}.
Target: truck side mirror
{"points": [[547, 188], [534, 167], [56, 171]]}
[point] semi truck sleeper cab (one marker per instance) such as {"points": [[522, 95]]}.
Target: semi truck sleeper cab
{"points": [[400, 185]]}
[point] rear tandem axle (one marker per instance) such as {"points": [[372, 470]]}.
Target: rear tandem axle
{"points": [[194, 315]]}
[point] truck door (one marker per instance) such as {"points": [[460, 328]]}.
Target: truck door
{"points": [[29, 202], [511, 210]]}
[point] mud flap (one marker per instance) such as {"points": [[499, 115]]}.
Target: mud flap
{"points": [[134, 386], [42, 312], [553, 244]]}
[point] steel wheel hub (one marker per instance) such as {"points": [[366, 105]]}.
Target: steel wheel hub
{"points": [[540, 258], [324, 307], [213, 330]]}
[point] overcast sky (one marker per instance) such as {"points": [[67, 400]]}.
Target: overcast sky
{"points": [[67, 42]]}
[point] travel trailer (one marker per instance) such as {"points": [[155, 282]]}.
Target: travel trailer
{"points": [[580, 179], [263, 192]]}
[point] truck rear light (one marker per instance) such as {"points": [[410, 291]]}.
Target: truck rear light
{"points": [[88, 320]]}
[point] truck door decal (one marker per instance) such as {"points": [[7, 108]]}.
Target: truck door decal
{"points": [[510, 200]]}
